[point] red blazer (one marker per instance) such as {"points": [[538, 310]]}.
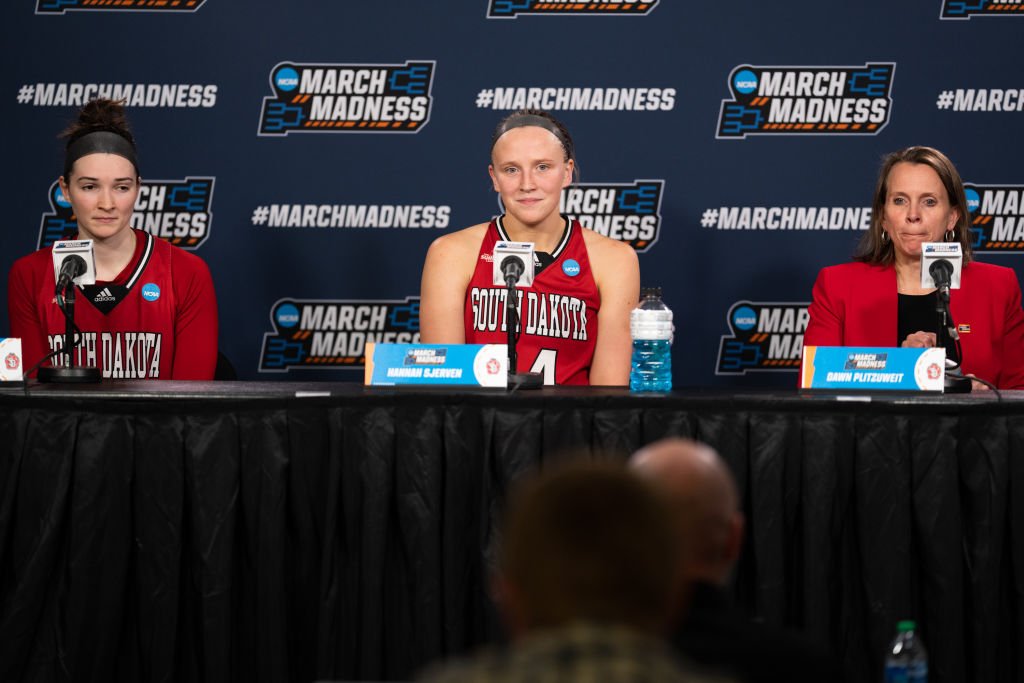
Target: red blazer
{"points": [[855, 304]]}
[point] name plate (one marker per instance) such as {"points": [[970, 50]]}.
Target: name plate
{"points": [[867, 368], [482, 365], [11, 368]]}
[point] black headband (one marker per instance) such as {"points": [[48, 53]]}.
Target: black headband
{"points": [[520, 120], [100, 142]]}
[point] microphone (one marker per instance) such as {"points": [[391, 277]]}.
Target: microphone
{"points": [[941, 264], [512, 268], [72, 267], [513, 259], [73, 261], [941, 271]]}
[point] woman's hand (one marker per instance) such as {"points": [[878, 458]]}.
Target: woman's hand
{"points": [[919, 340], [978, 386]]}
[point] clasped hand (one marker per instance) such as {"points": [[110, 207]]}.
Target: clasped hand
{"points": [[924, 340]]}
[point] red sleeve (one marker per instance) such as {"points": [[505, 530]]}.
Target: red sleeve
{"points": [[195, 320], [825, 323], [1011, 374], [23, 283]]}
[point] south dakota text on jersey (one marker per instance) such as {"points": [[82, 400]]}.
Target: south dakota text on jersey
{"points": [[125, 355], [544, 314]]}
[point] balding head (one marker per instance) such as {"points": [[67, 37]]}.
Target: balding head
{"points": [[703, 495], [591, 541]]}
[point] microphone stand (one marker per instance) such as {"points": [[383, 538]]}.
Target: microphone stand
{"points": [[955, 381], [516, 380], [70, 374]]}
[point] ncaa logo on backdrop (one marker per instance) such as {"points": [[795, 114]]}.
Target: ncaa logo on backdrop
{"points": [[348, 98], [322, 334], [965, 9], [807, 100], [60, 6], [628, 212], [764, 337], [175, 210], [510, 9], [997, 217]]}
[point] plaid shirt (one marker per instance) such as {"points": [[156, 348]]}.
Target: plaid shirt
{"points": [[580, 652]]}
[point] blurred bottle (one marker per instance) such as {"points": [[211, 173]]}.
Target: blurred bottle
{"points": [[650, 325], [907, 660]]}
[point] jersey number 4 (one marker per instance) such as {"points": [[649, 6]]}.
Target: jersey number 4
{"points": [[545, 363]]}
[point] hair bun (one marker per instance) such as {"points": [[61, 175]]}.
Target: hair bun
{"points": [[100, 114]]}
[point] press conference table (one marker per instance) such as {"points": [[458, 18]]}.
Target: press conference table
{"points": [[275, 531]]}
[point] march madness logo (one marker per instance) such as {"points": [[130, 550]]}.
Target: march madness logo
{"points": [[510, 9], [997, 217], [320, 334], [175, 210], [965, 9], [348, 98], [628, 212], [61, 6], [765, 336], [807, 100]]}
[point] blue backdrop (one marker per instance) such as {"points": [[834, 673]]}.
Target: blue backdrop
{"points": [[310, 151]]}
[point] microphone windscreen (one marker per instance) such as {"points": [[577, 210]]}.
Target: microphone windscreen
{"points": [[941, 269]]}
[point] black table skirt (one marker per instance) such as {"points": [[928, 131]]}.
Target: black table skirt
{"points": [[175, 531]]}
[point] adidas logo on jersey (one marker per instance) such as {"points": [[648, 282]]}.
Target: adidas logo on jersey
{"points": [[105, 295]]}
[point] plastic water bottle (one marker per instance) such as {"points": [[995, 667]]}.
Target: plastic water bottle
{"points": [[650, 325], [907, 660]]}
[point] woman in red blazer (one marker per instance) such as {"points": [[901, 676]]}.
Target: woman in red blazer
{"points": [[878, 301]]}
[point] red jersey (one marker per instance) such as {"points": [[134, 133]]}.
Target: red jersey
{"points": [[156, 320], [558, 327]]}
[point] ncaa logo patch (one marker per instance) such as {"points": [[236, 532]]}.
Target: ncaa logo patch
{"points": [[150, 292], [571, 267]]}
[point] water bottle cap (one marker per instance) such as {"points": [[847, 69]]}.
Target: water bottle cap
{"points": [[906, 625], [650, 291]]}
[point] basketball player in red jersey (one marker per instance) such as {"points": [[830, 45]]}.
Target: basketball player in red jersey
{"points": [[575, 316], [152, 313]]}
